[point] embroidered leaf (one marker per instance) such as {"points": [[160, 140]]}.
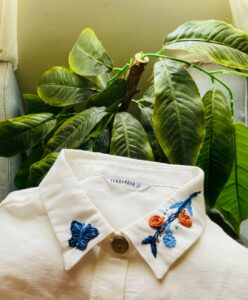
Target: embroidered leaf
{"points": [[154, 249], [168, 238], [182, 204], [148, 240], [176, 205], [189, 208]]}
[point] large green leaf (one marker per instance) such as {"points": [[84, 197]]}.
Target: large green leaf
{"points": [[100, 143], [178, 113], [75, 130], [19, 134], [146, 114], [103, 79], [233, 200], [217, 153], [88, 57], [39, 169], [59, 86], [218, 40], [129, 138], [22, 174], [113, 93], [35, 105], [148, 96]]}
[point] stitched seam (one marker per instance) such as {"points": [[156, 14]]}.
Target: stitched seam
{"points": [[125, 280]]}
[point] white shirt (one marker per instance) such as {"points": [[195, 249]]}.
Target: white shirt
{"points": [[56, 239]]}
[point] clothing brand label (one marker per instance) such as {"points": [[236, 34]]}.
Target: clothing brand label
{"points": [[126, 182]]}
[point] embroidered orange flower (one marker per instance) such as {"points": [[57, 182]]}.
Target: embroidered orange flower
{"points": [[156, 221], [184, 219]]}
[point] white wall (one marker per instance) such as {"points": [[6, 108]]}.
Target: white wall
{"points": [[48, 28]]}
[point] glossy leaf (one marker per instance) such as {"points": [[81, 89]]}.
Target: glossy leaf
{"points": [[74, 131], [103, 79], [129, 138], [113, 93], [19, 134], [61, 87], [146, 114], [99, 144], [22, 174], [148, 96], [217, 153], [223, 43], [88, 57], [178, 113], [35, 105], [39, 169], [233, 200]]}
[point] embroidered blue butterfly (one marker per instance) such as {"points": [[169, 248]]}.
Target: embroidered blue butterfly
{"points": [[168, 238], [82, 233]]}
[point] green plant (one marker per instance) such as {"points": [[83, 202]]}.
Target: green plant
{"points": [[176, 125]]}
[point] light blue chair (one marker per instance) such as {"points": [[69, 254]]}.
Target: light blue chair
{"points": [[11, 106]]}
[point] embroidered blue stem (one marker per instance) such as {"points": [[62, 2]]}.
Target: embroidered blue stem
{"points": [[169, 239], [176, 214]]}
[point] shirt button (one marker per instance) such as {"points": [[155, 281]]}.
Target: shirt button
{"points": [[119, 244]]}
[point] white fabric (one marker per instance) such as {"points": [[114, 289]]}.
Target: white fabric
{"points": [[8, 31], [36, 261], [239, 10]]}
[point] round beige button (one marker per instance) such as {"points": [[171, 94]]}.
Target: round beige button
{"points": [[119, 244]]}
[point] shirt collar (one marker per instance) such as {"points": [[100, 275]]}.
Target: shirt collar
{"points": [[65, 201]]}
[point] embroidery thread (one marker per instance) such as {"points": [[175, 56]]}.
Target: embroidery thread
{"points": [[82, 233], [162, 225]]}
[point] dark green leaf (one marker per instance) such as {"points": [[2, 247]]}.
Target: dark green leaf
{"points": [[218, 40], [178, 113], [233, 200], [39, 169], [22, 174], [217, 153], [129, 138], [102, 80], [35, 105], [146, 121], [61, 87], [113, 93], [75, 130], [88, 57], [19, 134], [98, 144], [149, 96]]}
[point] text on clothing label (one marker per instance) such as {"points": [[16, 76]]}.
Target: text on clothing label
{"points": [[127, 182]]}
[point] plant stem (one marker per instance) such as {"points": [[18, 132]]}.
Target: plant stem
{"points": [[120, 71], [229, 72], [133, 77], [209, 73]]}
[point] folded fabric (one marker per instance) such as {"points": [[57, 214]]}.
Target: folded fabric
{"points": [[107, 227]]}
